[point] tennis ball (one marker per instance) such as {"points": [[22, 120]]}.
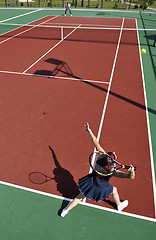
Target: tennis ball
{"points": [[143, 51]]}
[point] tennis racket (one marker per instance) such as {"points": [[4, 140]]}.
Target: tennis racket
{"points": [[38, 178], [104, 164]]}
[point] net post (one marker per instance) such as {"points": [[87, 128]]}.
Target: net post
{"points": [[50, 3], [39, 4], [6, 4], [61, 33], [27, 3]]}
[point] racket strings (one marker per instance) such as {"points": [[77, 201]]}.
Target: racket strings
{"points": [[100, 169]]}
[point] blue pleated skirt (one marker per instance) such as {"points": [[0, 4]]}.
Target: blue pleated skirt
{"points": [[94, 188]]}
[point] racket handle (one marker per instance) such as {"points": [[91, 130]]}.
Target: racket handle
{"points": [[127, 167]]}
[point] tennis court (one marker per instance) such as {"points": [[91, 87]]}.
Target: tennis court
{"points": [[57, 73]]}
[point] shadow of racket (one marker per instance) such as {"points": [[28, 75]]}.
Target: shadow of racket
{"points": [[39, 178]]}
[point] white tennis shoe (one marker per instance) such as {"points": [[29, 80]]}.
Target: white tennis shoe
{"points": [[64, 212], [122, 205]]}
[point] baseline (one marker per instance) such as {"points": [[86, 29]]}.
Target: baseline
{"points": [[82, 203]]}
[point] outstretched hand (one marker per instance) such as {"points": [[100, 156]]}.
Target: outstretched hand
{"points": [[131, 169], [131, 173]]}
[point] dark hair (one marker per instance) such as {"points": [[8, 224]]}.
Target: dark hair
{"points": [[102, 160], [112, 154], [105, 161]]}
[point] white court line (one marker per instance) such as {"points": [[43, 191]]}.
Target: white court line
{"points": [[24, 30], [85, 24], [53, 77], [107, 95], [110, 83], [82, 203], [148, 126], [70, 26], [108, 91], [20, 15], [51, 49]]}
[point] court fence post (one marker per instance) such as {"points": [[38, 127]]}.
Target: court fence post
{"points": [[88, 4], [75, 3], [63, 3], [101, 3]]}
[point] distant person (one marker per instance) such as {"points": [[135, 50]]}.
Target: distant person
{"points": [[67, 7]]}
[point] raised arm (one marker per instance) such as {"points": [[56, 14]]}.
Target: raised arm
{"points": [[94, 139]]}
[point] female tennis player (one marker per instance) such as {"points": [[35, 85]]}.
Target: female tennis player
{"points": [[96, 187]]}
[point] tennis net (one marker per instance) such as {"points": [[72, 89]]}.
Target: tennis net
{"points": [[76, 33]]}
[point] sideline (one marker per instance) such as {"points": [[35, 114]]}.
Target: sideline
{"points": [[108, 91], [148, 125]]}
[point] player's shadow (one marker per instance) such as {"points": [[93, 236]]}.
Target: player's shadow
{"points": [[65, 182]]}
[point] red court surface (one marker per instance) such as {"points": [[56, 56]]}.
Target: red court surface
{"points": [[42, 118]]}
